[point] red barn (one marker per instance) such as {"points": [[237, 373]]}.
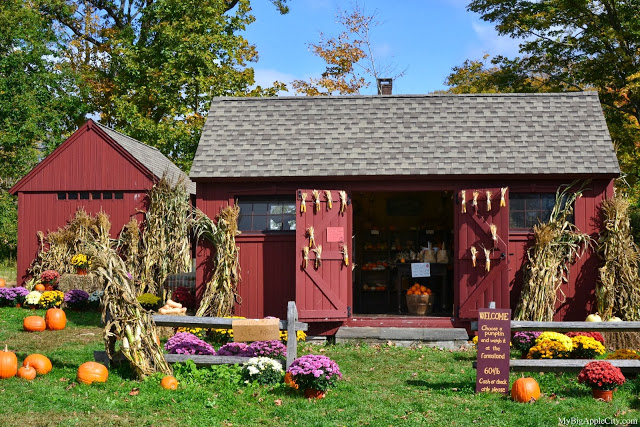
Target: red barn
{"points": [[406, 165], [96, 168]]}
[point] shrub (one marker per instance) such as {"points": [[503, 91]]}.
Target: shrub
{"points": [[185, 297], [316, 372], [263, 370], [186, 343], [149, 301]]}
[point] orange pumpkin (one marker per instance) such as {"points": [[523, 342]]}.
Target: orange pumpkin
{"points": [[27, 372], [169, 383], [40, 363], [90, 372], [2, 283], [525, 390], [40, 287], [34, 324], [55, 319], [8, 363]]}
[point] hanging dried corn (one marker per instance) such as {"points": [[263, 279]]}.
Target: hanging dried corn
{"points": [[474, 255], [343, 201], [487, 261], [303, 203], [305, 257], [318, 252], [315, 194], [463, 196], [327, 196], [474, 202], [494, 232], [503, 201], [311, 235], [489, 194], [345, 254]]}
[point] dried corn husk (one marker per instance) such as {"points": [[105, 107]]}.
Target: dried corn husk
{"points": [[474, 202], [489, 194], [463, 197], [303, 203], [343, 201], [487, 259], [494, 232], [315, 195], [327, 196], [311, 234], [503, 201], [474, 255], [318, 260], [305, 256], [345, 254]]}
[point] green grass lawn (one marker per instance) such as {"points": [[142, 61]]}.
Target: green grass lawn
{"points": [[8, 271], [382, 386]]}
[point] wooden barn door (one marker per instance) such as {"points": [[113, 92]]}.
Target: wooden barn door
{"points": [[476, 286], [323, 290]]}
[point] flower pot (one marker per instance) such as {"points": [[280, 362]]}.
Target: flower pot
{"points": [[81, 271], [606, 395], [312, 393]]}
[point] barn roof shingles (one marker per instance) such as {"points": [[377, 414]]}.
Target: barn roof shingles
{"points": [[438, 134]]}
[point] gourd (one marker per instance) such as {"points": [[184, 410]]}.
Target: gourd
{"points": [[34, 324], [40, 287], [169, 383], [27, 372], [39, 362], [8, 363], [55, 319], [90, 372], [525, 389]]}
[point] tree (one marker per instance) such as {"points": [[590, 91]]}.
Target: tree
{"points": [[349, 57], [153, 66]]}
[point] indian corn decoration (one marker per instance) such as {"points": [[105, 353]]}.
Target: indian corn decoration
{"points": [[345, 254], [310, 233], [474, 202], [489, 194], [303, 203], [343, 201], [503, 191], [487, 262], [463, 196], [315, 194], [318, 252], [494, 232], [327, 196], [474, 255], [305, 257]]}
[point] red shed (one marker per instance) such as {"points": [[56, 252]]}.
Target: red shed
{"points": [[407, 165], [96, 168]]}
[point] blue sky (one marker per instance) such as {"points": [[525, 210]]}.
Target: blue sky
{"points": [[427, 37]]}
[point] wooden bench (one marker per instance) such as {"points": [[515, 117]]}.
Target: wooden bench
{"points": [[291, 325], [564, 365]]}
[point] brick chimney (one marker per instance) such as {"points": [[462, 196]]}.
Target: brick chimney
{"points": [[385, 86]]}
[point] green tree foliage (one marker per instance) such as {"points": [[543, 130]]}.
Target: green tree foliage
{"points": [[152, 67]]}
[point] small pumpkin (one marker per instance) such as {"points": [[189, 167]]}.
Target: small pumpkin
{"points": [[40, 363], [169, 382], [8, 363], [90, 372], [525, 390], [27, 372], [3, 283], [34, 324], [55, 319], [40, 287]]}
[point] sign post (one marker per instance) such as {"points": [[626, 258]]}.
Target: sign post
{"points": [[494, 337]]}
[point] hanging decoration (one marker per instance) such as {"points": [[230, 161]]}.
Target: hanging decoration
{"points": [[494, 232], [463, 196], [489, 194], [474, 255], [305, 257], [315, 194], [474, 202], [303, 203], [487, 262], [343, 201], [503, 201], [318, 252], [327, 196], [311, 235], [345, 254]]}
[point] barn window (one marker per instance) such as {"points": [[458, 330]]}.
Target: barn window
{"points": [[529, 209], [118, 195], [107, 196], [62, 196], [84, 195], [267, 214], [72, 195], [95, 195]]}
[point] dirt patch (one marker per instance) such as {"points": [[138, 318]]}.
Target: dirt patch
{"points": [[47, 341]]}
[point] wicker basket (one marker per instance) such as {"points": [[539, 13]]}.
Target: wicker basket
{"points": [[420, 304]]}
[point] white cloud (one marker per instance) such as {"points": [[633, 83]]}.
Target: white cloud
{"points": [[265, 77], [492, 43]]}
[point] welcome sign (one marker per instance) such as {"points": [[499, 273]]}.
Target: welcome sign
{"points": [[494, 337]]}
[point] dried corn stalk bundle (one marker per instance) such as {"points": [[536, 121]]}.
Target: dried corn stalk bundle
{"points": [[619, 340], [618, 291], [557, 244], [128, 246], [303, 203], [124, 317], [165, 245], [221, 290], [327, 196]]}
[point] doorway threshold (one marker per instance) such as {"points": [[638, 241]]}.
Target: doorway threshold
{"points": [[400, 321]]}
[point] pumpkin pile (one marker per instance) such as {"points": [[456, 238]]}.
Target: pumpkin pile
{"points": [[418, 289], [55, 320], [34, 364], [173, 308]]}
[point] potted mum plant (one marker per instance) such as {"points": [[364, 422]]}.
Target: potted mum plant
{"points": [[314, 374], [602, 377], [81, 263], [49, 278], [262, 370]]}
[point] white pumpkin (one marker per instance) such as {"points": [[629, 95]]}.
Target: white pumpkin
{"points": [[593, 318], [615, 319]]}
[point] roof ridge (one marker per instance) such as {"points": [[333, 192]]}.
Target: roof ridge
{"points": [[127, 136]]}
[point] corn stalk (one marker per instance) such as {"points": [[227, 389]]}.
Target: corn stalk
{"points": [[557, 245], [221, 290], [618, 291]]}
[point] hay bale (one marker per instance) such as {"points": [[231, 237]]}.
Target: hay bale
{"points": [[622, 340], [87, 283]]}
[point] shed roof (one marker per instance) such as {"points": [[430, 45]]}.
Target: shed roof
{"points": [[436, 134]]}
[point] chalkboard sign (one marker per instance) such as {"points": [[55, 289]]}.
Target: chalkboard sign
{"points": [[494, 337]]}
